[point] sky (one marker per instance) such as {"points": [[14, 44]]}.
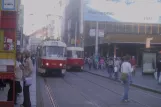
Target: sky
{"points": [[35, 12]]}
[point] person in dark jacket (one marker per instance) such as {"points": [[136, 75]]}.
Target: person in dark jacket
{"points": [[158, 68]]}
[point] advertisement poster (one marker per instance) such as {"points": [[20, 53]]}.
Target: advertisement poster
{"points": [[1, 40], [92, 32], [8, 4], [135, 11], [149, 62]]}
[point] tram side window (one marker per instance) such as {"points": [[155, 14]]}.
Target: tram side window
{"points": [[69, 54], [43, 51], [79, 54]]}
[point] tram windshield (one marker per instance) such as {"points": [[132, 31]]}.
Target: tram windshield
{"points": [[74, 54], [53, 51]]}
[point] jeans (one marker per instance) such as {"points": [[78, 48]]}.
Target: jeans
{"points": [[126, 89], [116, 75], [90, 65], [110, 71], [26, 94], [158, 75]]}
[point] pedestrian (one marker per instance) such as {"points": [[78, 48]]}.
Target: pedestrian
{"points": [[133, 64], [126, 69], [33, 59], [116, 68], [27, 78], [110, 67], [18, 78], [158, 68], [101, 62], [89, 63], [2, 84]]}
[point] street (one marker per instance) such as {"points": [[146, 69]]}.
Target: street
{"points": [[81, 89]]}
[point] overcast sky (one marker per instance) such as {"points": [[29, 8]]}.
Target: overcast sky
{"points": [[38, 9]]}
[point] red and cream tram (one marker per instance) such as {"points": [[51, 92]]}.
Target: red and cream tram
{"points": [[75, 57], [51, 57]]}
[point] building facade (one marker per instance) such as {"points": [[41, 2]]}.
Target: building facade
{"points": [[125, 26]]}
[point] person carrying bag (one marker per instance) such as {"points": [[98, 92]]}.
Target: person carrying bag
{"points": [[27, 78], [126, 70]]}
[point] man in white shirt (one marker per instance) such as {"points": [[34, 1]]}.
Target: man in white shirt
{"points": [[126, 70]]}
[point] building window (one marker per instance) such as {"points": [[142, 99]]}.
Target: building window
{"points": [[142, 29], [120, 28], [102, 25], [128, 28], [154, 29], [114, 27], [148, 29], [135, 28], [159, 29], [109, 28]]}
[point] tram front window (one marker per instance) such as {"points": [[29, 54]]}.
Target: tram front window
{"points": [[75, 54], [54, 51]]}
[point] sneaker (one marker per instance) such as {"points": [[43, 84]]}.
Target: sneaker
{"points": [[127, 101], [21, 105]]}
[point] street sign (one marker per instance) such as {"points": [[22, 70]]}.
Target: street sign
{"points": [[9, 5]]}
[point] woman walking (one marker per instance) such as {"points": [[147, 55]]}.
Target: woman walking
{"points": [[27, 75], [126, 70]]}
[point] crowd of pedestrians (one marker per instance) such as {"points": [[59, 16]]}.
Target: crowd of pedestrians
{"points": [[23, 73], [110, 64], [125, 65]]}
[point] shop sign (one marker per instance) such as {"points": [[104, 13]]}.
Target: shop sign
{"points": [[8, 5]]}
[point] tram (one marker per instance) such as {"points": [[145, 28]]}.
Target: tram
{"points": [[75, 57], [51, 57]]}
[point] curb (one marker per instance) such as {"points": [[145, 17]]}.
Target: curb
{"points": [[134, 85]]}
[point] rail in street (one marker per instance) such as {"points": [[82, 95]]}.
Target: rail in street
{"points": [[81, 89]]}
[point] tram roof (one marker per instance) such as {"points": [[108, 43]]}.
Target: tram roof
{"points": [[75, 48]]}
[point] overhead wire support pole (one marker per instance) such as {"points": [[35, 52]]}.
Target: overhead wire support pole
{"points": [[75, 34], [96, 42]]}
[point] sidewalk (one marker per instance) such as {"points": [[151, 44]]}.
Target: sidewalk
{"points": [[3, 94], [146, 82]]}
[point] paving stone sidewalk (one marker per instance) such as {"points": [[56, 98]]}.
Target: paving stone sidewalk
{"points": [[146, 82]]}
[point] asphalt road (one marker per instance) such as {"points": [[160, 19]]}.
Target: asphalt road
{"points": [[81, 89]]}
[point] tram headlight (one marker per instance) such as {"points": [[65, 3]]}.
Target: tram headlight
{"points": [[47, 64], [61, 64]]}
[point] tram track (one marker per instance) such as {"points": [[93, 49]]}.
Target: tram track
{"points": [[40, 97], [82, 93], [133, 90], [50, 94], [110, 89]]}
